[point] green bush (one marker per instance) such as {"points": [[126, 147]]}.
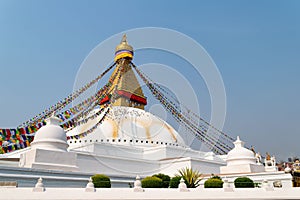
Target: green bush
{"points": [[243, 182], [165, 179], [174, 182], [101, 181], [152, 182], [213, 183]]}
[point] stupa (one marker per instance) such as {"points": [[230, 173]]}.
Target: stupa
{"points": [[49, 149], [241, 160], [128, 142], [130, 139]]}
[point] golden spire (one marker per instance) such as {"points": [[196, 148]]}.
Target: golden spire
{"points": [[124, 38], [127, 87], [123, 50]]}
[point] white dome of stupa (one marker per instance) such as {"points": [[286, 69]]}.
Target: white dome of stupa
{"points": [[240, 155], [127, 126], [51, 136]]}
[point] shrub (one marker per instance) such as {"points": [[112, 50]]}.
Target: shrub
{"points": [[101, 181], [213, 183], [243, 182], [165, 179], [191, 177], [174, 182], [152, 182]]}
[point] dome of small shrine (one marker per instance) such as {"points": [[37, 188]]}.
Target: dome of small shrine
{"points": [[51, 136], [240, 155]]}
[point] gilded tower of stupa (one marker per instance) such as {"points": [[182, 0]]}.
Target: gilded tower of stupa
{"points": [[126, 87]]}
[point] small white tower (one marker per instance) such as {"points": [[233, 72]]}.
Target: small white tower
{"points": [[51, 136], [241, 160], [49, 149]]}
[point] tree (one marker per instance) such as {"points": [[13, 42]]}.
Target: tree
{"points": [[192, 177]]}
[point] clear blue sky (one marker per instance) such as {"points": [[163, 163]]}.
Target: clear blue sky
{"points": [[255, 45]]}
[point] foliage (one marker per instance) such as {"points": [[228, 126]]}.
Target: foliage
{"points": [[213, 183], [101, 181], [152, 182], [243, 182], [191, 177], [174, 182], [165, 179], [216, 177]]}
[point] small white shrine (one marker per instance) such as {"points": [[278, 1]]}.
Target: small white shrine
{"points": [[49, 149], [241, 160]]}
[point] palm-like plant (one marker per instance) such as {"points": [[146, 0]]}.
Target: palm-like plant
{"points": [[192, 177]]}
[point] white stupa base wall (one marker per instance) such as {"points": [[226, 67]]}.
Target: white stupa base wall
{"points": [[271, 168], [114, 159], [106, 164], [242, 168], [49, 159], [171, 166]]}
